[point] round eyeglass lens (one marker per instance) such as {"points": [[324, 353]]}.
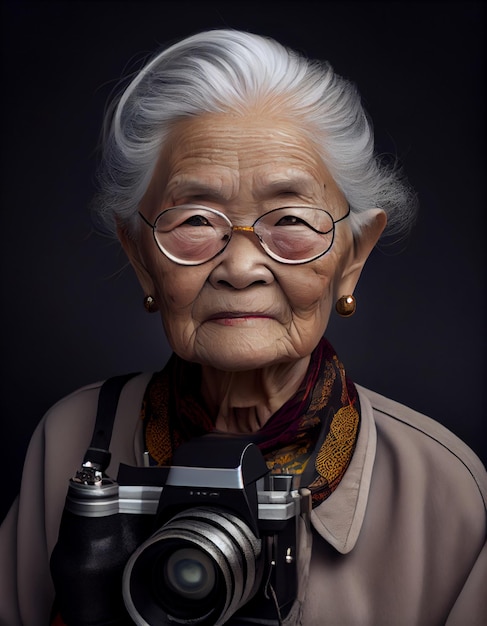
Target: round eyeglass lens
{"points": [[295, 234], [191, 234]]}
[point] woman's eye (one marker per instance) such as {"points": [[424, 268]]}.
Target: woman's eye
{"points": [[196, 220], [290, 220]]}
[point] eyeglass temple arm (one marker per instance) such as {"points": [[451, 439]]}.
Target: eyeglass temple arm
{"points": [[145, 220], [343, 216], [321, 232]]}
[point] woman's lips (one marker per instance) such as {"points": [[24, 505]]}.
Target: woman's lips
{"points": [[228, 318]]}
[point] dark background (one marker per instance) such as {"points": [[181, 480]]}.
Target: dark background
{"points": [[72, 311]]}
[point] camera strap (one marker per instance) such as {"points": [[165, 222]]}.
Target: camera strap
{"points": [[98, 453]]}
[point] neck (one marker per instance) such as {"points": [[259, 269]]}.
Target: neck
{"points": [[243, 401]]}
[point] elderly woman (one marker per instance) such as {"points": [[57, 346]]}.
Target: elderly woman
{"points": [[241, 180]]}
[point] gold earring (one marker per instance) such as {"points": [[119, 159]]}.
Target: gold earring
{"points": [[345, 306], [150, 304]]}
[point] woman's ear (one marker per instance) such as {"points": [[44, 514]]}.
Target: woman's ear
{"points": [[372, 223], [131, 247]]}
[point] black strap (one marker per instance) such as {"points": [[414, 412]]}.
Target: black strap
{"points": [[98, 453]]}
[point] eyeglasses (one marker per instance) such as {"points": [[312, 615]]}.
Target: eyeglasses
{"points": [[191, 234]]}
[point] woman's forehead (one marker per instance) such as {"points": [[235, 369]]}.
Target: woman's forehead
{"points": [[226, 134], [215, 152]]}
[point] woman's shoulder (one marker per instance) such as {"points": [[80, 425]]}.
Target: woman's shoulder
{"points": [[77, 404], [83, 401], [416, 439], [69, 424], [61, 439]]}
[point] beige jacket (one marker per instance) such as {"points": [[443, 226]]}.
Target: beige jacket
{"points": [[401, 542]]}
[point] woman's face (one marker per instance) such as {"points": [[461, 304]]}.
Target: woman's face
{"points": [[242, 310]]}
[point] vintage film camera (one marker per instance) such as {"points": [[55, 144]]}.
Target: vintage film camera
{"points": [[210, 540]]}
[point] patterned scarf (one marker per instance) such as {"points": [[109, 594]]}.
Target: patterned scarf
{"points": [[313, 434]]}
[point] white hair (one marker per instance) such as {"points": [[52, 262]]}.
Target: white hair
{"points": [[228, 70]]}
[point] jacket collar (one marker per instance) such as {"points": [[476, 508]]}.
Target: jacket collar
{"points": [[339, 518]]}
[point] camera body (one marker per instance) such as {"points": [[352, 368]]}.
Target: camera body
{"points": [[210, 540]]}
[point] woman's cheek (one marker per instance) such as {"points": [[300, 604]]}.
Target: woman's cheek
{"points": [[307, 294], [177, 290]]}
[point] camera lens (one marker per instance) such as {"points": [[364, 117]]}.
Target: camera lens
{"points": [[190, 573], [198, 568]]}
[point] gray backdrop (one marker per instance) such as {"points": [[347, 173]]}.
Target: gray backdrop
{"points": [[72, 310]]}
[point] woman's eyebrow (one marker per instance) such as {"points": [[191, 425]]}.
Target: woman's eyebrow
{"points": [[297, 182], [213, 187], [219, 187]]}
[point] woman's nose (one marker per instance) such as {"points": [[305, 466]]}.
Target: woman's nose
{"points": [[243, 263]]}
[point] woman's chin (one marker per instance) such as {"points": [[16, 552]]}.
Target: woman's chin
{"points": [[237, 357], [245, 347]]}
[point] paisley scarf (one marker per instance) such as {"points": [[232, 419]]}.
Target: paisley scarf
{"points": [[312, 435]]}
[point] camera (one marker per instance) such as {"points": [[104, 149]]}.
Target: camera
{"points": [[210, 540]]}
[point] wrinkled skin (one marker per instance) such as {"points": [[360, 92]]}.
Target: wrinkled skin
{"points": [[250, 321]]}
